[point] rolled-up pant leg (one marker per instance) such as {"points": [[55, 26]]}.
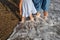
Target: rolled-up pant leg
{"points": [[41, 5], [38, 4], [45, 5]]}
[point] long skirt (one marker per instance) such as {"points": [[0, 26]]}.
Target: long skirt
{"points": [[28, 8]]}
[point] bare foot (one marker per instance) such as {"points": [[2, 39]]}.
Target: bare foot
{"points": [[23, 20], [31, 17], [38, 15], [45, 15]]}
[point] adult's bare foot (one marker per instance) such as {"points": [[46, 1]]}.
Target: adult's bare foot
{"points": [[32, 19], [45, 15], [38, 15]]}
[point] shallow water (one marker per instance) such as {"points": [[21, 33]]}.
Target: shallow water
{"points": [[40, 30]]}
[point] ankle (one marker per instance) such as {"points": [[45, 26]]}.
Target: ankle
{"points": [[32, 19], [45, 13], [31, 16], [23, 18], [38, 13]]}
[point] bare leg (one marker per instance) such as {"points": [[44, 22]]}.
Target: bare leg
{"points": [[45, 15], [31, 17], [23, 19]]}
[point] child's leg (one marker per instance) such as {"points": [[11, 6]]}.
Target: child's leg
{"points": [[20, 7], [23, 19], [31, 17]]}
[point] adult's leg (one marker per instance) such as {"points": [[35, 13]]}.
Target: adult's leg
{"points": [[45, 15], [38, 4], [45, 7]]}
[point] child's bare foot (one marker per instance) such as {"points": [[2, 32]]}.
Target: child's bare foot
{"points": [[45, 15], [38, 15], [23, 20]]}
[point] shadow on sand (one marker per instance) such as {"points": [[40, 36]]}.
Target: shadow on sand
{"points": [[12, 5]]}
